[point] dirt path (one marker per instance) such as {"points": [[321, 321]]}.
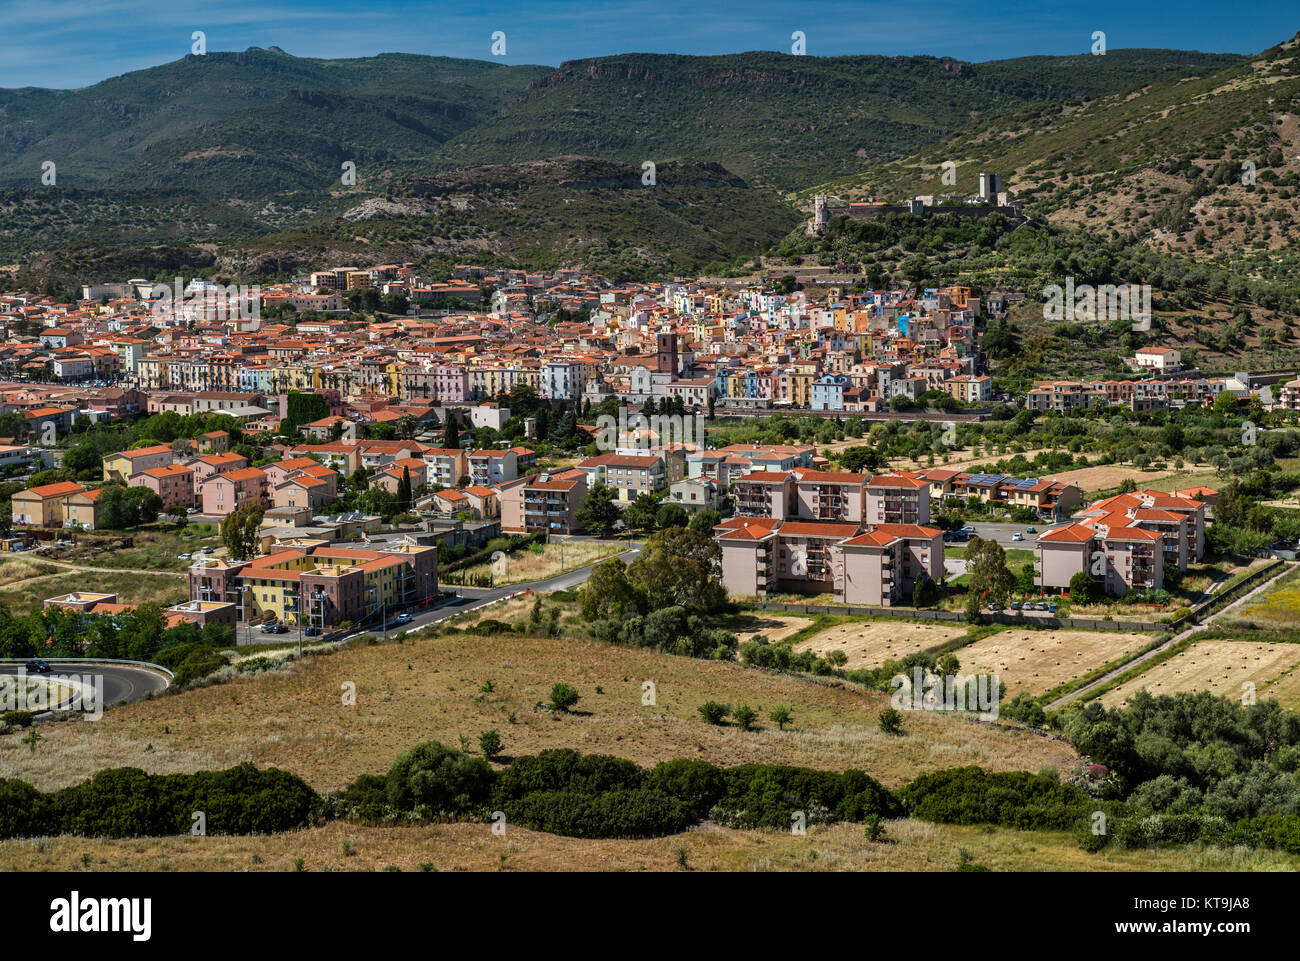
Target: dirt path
{"points": [[1182, 635], [90, 568]]}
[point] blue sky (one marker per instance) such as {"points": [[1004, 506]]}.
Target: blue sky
{"points": [[72, 43]]}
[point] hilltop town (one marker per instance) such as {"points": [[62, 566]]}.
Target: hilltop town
{"points": [[738, 462]]}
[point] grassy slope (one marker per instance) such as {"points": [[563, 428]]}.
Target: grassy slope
{"points": [[908, 846], [432, 689]]}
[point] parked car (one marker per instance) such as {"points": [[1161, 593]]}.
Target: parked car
{"points": [[38, 666], [311, 632], [1041, 606], [1015, 605], [275, 627]]}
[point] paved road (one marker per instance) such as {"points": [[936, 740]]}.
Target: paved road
{"points": [[122, 682]]}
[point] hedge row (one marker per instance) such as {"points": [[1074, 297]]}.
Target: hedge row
{"points": [[127, 802], [599, 796], [595, 795]]}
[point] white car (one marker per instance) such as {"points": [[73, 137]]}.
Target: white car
{"points": [[1017, 536]]}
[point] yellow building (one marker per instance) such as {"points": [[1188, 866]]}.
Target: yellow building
{"points": [[321, 586]]}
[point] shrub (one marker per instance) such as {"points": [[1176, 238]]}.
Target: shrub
{"points": [[127, 802], [891, 722], [489, 743], [971, 795], [697, 784], [613, 814], [564, 696], [365, 799], [745, 717], [1025, 709], [439, 781], [17, 718], [762, 795], [190, 662], [22, 810], [713, 712], [565, 769]]}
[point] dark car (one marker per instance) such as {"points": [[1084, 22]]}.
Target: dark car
{"points": [[274, 628], [37, 666], [311, 632]]}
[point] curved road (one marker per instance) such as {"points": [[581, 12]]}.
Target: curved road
{"points": [[122, 682], [473, 597]]}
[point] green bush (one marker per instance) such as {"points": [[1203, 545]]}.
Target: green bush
{"points": [[564, 696], [127, 802], [22, 811], [971, 795], [713, 712], [697, 784], [190, 661], [765, 795], [439, 781], [17, 718], [612, 814], [365, 799], [565, 769], [1281, 831]]}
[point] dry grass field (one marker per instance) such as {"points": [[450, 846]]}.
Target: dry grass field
{"points": [[774, 627], [1276, 609], [19, 567], [548, 560], [872, 643], [1105, 476], [907, 846], [28, 595], [1222, 667], [1037, 661], [438, 688]]}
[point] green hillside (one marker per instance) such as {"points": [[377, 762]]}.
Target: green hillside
{"points": [[1162, 166], [788, 121], [95, 132], [570, 211]]}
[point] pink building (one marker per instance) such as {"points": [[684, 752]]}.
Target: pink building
{"points": [[450, 384], [877, 567], [212, 464], [225, 492], [174, 484]]}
